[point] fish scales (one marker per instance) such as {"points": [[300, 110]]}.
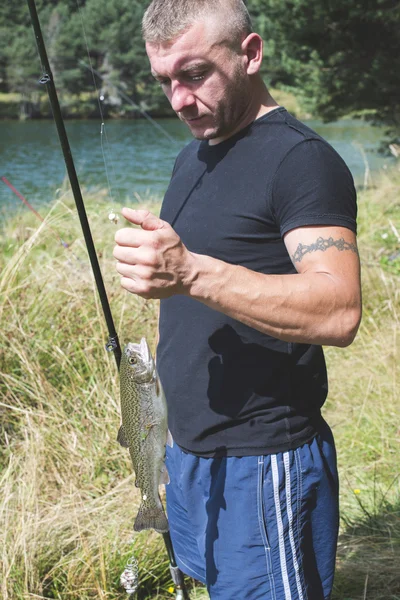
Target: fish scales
{"points": [[144, 431]]}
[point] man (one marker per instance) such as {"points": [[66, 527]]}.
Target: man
{"points": [[256, 265]]}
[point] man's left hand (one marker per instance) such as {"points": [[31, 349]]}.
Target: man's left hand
{"points": [[152, 261]]}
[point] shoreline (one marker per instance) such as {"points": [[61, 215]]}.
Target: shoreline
{"points": [[16, 107]]}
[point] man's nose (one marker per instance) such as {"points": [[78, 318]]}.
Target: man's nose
{"points": [[181, 98]]}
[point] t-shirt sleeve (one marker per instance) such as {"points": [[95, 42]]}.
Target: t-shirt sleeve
{"points": [[313, 186]]}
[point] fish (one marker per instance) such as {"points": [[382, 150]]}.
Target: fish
{"points": [[144, 431]]}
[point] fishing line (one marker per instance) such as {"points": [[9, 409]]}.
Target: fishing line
{"points": [[105, 148], [132, 103], [113, 342]]}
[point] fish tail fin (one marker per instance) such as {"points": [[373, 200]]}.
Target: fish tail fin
{"points": [[151, 518]]}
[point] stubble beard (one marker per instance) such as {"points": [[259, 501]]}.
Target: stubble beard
{"points": [[230, 110]]}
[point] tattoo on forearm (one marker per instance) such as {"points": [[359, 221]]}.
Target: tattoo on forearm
{"points": [[322, 245]]}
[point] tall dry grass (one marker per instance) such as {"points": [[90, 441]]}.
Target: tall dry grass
{"points": [[364, 408], [67, 498], [67, 493]]}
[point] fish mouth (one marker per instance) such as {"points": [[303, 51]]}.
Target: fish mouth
{"points": [[147, 362]]}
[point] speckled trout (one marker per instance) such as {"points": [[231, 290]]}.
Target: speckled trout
{"points": [[144, 431]]}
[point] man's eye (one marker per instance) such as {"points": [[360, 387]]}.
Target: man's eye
{"points": [[193, 76], [163, 81]]}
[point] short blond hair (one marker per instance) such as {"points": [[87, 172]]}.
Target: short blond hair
{"points": [[164, 20]]}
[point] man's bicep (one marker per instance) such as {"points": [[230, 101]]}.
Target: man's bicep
{"points": [[326, 249]]}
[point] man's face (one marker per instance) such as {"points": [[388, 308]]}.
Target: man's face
{"points": [[204, 80]]}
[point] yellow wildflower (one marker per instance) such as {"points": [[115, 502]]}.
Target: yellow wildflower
{"points": [[357, 491]]}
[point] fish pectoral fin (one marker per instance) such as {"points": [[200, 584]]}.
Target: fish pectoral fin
{"points": [[121, 438], [164, 476], [170, 440]]}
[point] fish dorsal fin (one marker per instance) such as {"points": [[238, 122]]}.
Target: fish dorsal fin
{"points": [[164, 476], [121, 437]]}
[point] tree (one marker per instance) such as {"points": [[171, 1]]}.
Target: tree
{"points": [[104, 33], [340, 56], [343, 56], [115, 36], [17, 45]]}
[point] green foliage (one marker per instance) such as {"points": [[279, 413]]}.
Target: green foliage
{"points": [[342, 57], [103, 33], [115, 28]]}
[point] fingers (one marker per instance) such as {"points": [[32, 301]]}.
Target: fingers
{"points": [[137, 267], [129, 285], [144, 255], [131, 237], [135, 272], [144, 218], [126, 254], [140, 287], [150, 258], [136, 237], [135, 279], [125, 270]]}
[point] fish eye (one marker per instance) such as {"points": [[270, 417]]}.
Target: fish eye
{"points": [[132, 360]]}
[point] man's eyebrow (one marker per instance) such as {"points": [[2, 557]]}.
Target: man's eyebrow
{"points": [[193, 67], [185, 69]]}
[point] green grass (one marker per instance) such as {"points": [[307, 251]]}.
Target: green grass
{"points": [[67, 495]]}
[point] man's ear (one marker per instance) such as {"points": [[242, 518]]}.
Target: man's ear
{"points": [[252, 48]]}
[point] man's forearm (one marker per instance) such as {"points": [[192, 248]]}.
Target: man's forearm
{"points": [[319, 305], [312, 307]]}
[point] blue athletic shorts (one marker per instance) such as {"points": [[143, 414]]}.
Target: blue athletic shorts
{"points": [[257, 527]]}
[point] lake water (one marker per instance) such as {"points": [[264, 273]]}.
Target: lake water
{"points": [[139, 156]]}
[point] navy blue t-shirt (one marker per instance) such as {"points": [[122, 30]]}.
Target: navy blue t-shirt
{"points": [[231, 390]]}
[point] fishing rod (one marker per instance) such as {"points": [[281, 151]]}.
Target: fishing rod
{"points": [[47, 79], [113, 344]]}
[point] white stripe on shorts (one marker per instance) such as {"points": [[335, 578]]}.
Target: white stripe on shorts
{"points": [[282, 553], [286, 463]]}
